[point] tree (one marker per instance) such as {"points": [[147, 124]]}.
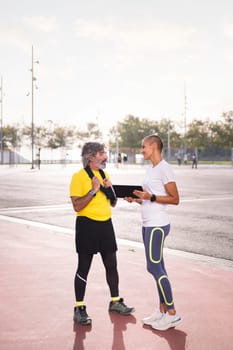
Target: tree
{"points": [[10, 137], [198, 134], [53, 137], [60, 137], [166, 126], [213, 139], [93, 131], [39, 135], [133, 129], [226, 130]]}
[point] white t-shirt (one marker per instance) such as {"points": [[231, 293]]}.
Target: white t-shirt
{"points": [[153, 213]]}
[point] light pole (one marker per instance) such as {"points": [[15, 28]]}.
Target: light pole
{"points": [[185, 120], [32, 126], [168, 142], [117, 147], [1, 126]]}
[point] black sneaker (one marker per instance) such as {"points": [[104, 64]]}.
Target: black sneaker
{"points": [[120, 307], [81, 316]]}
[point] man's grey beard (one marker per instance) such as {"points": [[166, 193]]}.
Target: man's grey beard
{"points": [[103, 165], [100, 165]]}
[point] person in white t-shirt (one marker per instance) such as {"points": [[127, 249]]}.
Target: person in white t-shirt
{"points": [[159, 190]]}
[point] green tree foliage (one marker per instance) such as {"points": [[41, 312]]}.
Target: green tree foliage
{"points": [[10, 137], [166, 126], [133, 129], [60, 137], [225, 130], [40, 133], [204, 135], [92, 132], [198, 134], [53, 136]]}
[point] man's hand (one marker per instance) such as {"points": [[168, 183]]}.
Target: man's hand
{"points": [[95, 184], [107, 183], [133, 200], [129, 199]]}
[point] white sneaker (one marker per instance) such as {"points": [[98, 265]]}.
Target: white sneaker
{"points": [[151, 319], [167, 321]]}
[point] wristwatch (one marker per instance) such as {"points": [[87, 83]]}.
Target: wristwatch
{"points": [[153, 198], [92, 193]]}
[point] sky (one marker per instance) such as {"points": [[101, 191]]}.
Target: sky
{"points": [[102, 60]]}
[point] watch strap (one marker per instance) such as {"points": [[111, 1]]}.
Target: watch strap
{"points": [[92, 193], [153, 198]]}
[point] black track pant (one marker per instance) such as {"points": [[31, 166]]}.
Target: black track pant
{"points": [[84, 264]]}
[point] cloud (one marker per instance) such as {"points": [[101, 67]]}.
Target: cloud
{"points": [[27, 31], [159, 35], [228, 30], [42, 23], [93, 29], [13, 37]]}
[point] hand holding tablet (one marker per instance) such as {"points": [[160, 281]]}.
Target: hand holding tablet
{"points": [[123, 191]]}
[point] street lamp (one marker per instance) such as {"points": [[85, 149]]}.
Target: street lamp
{"points": [[32, 127], [117, 147], [1, 126], [168, 142], [185, 120]]}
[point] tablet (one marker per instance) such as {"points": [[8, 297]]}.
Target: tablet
{"points": [[126, 190]]}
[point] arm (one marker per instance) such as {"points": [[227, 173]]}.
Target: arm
{"points": [[81, 202], [172, 196]]}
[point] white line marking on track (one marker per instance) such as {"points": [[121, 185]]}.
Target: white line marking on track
{"points": [[37, 208], [121, 203], [198, 257], [37, 224], [214, 198]]}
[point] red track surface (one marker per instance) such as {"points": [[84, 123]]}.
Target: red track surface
{"points": [[36, 298]]}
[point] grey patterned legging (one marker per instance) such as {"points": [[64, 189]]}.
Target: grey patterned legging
{"points": [[153, 238]]}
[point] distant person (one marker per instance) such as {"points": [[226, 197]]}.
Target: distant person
{"points": [[125, 158], [159, 190], [185, 159], [119, 158], [92, 197], [194, 161], [178, 159]]}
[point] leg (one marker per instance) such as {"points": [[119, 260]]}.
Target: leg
{"points": [[112, 277], [146, 232], [80, 280], [117, 304], [154, 242]]}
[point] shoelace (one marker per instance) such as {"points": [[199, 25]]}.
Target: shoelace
{"points": [[122, 303], [83, 312]]}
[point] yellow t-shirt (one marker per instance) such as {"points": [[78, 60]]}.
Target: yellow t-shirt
{"points": [[99, 207]]}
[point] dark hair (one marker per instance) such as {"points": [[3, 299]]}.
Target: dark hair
{"points": [[90, 149], [155, 139]]}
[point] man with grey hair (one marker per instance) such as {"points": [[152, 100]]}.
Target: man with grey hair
{"points": [[92, 197]]}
